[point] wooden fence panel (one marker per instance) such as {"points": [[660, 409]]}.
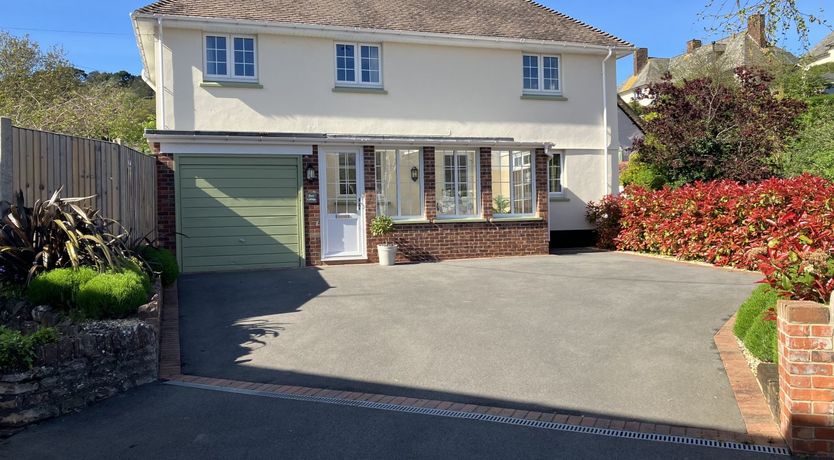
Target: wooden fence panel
{"points": [[120, 180]]}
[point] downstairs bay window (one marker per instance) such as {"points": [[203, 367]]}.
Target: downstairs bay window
{"points": [[456, 183], [399, 191], [513, 183]]}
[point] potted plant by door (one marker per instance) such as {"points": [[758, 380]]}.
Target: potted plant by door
{"points": [[382, 227]]}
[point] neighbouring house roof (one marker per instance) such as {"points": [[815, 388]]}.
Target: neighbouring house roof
{"points": [[821, 49], [631, 114], [514, 19], [723, 55]]}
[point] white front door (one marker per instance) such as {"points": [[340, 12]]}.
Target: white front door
{"points": [[342, 187]]}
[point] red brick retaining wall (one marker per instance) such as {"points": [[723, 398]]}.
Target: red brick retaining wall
{"points": [[806, 376]]}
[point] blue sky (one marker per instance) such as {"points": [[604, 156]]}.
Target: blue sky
{"points": [[98, 35]]}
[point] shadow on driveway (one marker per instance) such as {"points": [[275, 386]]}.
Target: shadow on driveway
{"points": [[599, 334]]}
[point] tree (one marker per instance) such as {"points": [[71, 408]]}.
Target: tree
{"points": [[704, 130], [813, 150], [42, 90], [781, 17]]}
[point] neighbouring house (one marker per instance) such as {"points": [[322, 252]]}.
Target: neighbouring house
{"points": [[749, 48], [630, 127], [283, 127], [823, 53]]}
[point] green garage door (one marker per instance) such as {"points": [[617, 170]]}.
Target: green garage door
{"points": [[239, 212]]}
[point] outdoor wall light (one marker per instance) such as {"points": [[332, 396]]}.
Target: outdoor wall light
{"points": [[415, 174], [311, 173]]}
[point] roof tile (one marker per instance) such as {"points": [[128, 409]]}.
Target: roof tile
{"points": [[515, 19]]}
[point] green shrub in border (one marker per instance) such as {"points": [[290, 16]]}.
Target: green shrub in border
{"points": [[112, 295], [762, 338], [134, 266], [59, 287], [164, 261], [763, 298], [17, 351]]}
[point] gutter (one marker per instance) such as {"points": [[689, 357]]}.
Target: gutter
{"points": [[606, 182], [341, 32], [331, 139]]}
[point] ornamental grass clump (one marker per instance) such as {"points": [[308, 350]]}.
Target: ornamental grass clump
{"points": [[59, 287], [112, 295]]}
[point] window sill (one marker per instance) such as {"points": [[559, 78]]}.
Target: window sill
{"points": [[559, 199], [517, 219], [231, 84], [411, 221], [461, 220], [543, 97], [359, 90]]}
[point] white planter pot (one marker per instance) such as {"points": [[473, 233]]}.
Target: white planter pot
{"points": [[387, 254]]}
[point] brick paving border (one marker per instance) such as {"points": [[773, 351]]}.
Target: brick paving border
{"points": [[761, 426], [170, 369]]}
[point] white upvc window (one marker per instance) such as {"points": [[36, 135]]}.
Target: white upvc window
{"points": [[556, 174], [542, 74], [513, 183], [456, 183], [230, 57], [358, 64], [399, 183]]}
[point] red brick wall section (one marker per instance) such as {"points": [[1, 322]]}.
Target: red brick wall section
{"points": [[442, 241], [312, 212], [806, 376], [166, 224]]}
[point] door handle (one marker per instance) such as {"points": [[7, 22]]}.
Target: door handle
{"points": [[358, 203]]}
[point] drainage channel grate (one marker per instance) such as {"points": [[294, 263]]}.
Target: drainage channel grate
{"points": [[499, 419]]}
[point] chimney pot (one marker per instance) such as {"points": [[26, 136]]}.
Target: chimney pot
{"points": [[692, 45], [641, 58], [756, 29]]}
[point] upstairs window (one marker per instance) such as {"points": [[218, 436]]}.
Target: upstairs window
{"points": [[230, 57], [513, 183], [358, 64], [541, 74]]}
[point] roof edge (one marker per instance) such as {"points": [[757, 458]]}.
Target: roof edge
{"points": [[138, 15]]}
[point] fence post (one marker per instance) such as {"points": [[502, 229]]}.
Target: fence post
{"points": [[6, 161]]}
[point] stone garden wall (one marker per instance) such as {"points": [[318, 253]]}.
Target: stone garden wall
{"points": [[90, 362]]}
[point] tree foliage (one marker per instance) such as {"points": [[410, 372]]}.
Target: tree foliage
{"points": [[782, 17], [701, 129], [42, 90]]}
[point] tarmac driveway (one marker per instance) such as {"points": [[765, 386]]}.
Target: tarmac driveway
{"points": [[598, 333]]}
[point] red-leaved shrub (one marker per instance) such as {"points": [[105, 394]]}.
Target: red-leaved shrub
{"points": [[605, 217], [783, 227]]}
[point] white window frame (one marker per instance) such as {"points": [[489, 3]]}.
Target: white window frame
{"points": [[477, 211], [561, 174], [230, 58], [357, 65], [512, 189], [540, 60], [400, 216]]}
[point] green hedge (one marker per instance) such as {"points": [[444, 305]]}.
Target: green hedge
{"points": [[755, 325], [59, 287], [163, 261], [17, 351]]}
